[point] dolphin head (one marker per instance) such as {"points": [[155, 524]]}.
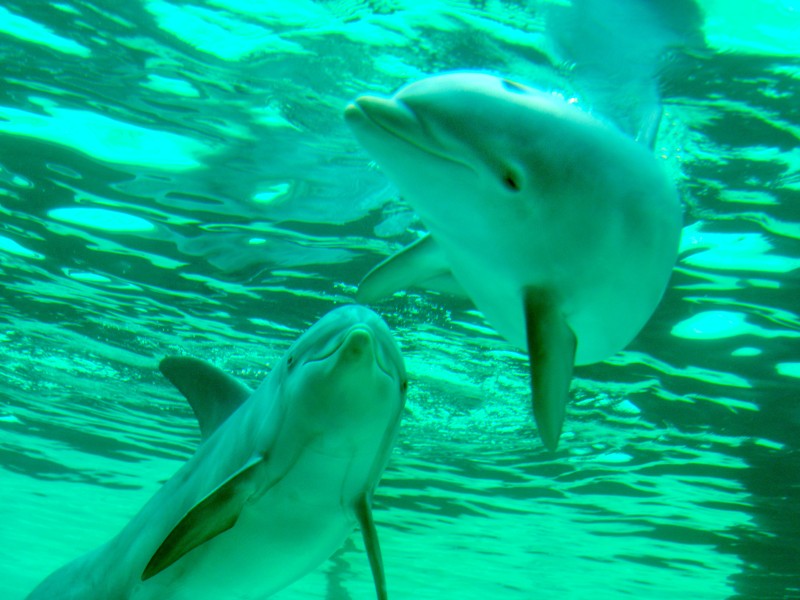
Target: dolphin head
{"points": [[346, 373], [473, 135]]}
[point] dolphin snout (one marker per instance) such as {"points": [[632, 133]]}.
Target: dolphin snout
{"points": [[388, 114], [358, 345]]}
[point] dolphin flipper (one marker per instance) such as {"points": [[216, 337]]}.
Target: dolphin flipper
{"points": [[373, 547], [213, 515], [212, 394], [648, 128], [421, 264], [551, 347]]}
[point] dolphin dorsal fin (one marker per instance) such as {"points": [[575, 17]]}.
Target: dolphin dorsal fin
{"points": [[212, 394]]}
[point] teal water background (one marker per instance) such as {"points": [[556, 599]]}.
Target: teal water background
{"points": [[176, 177]]}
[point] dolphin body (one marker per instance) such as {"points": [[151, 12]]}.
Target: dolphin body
{"points": [[561, 229], [283, 475]]}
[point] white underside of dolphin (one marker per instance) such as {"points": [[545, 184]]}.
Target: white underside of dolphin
{"points": [[282, 477], [562, 230]]}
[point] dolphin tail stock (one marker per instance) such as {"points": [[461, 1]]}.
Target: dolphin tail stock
{"points": [[371, 544], [420, 264], [215, 514], [551, 349]]}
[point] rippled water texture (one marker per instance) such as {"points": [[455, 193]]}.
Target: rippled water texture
{"points": [[176, 177]]}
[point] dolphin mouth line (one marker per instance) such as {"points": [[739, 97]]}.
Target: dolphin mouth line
{"points": [[381, 124], [338, 347]]}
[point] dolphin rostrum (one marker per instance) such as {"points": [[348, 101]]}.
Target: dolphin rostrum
{"points": [[561, 229], [281, 478]]}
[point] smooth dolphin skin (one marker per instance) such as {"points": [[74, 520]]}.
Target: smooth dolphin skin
{"points": [[283, 475], [561, 229]]}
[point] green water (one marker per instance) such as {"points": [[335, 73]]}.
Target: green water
{"points": [[176, 177]]}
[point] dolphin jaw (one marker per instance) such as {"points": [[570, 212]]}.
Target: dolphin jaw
{"points": [[388, 114], [359, 344], [381, 116], [348, 389]]}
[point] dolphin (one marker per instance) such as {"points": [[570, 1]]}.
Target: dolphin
{"points": [[281, 478], [561, 229]]}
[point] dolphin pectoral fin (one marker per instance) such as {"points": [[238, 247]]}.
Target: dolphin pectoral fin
{"points": [[648, 128], [213, 515], [421, 264], [373, 547], [212, 394], [445, 283], [551, 347]]}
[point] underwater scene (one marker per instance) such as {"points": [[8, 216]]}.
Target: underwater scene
{"points": [[196, 179]]}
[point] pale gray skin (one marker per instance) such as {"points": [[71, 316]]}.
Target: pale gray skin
{"points": [[561, 229], [281, 479]]}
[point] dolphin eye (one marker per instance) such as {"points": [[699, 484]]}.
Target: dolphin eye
{"points": [[290, 361], [513, 86], [511, 182], [404, 386]]}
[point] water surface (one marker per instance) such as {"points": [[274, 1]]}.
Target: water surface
{"points": [[176, 177]]}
